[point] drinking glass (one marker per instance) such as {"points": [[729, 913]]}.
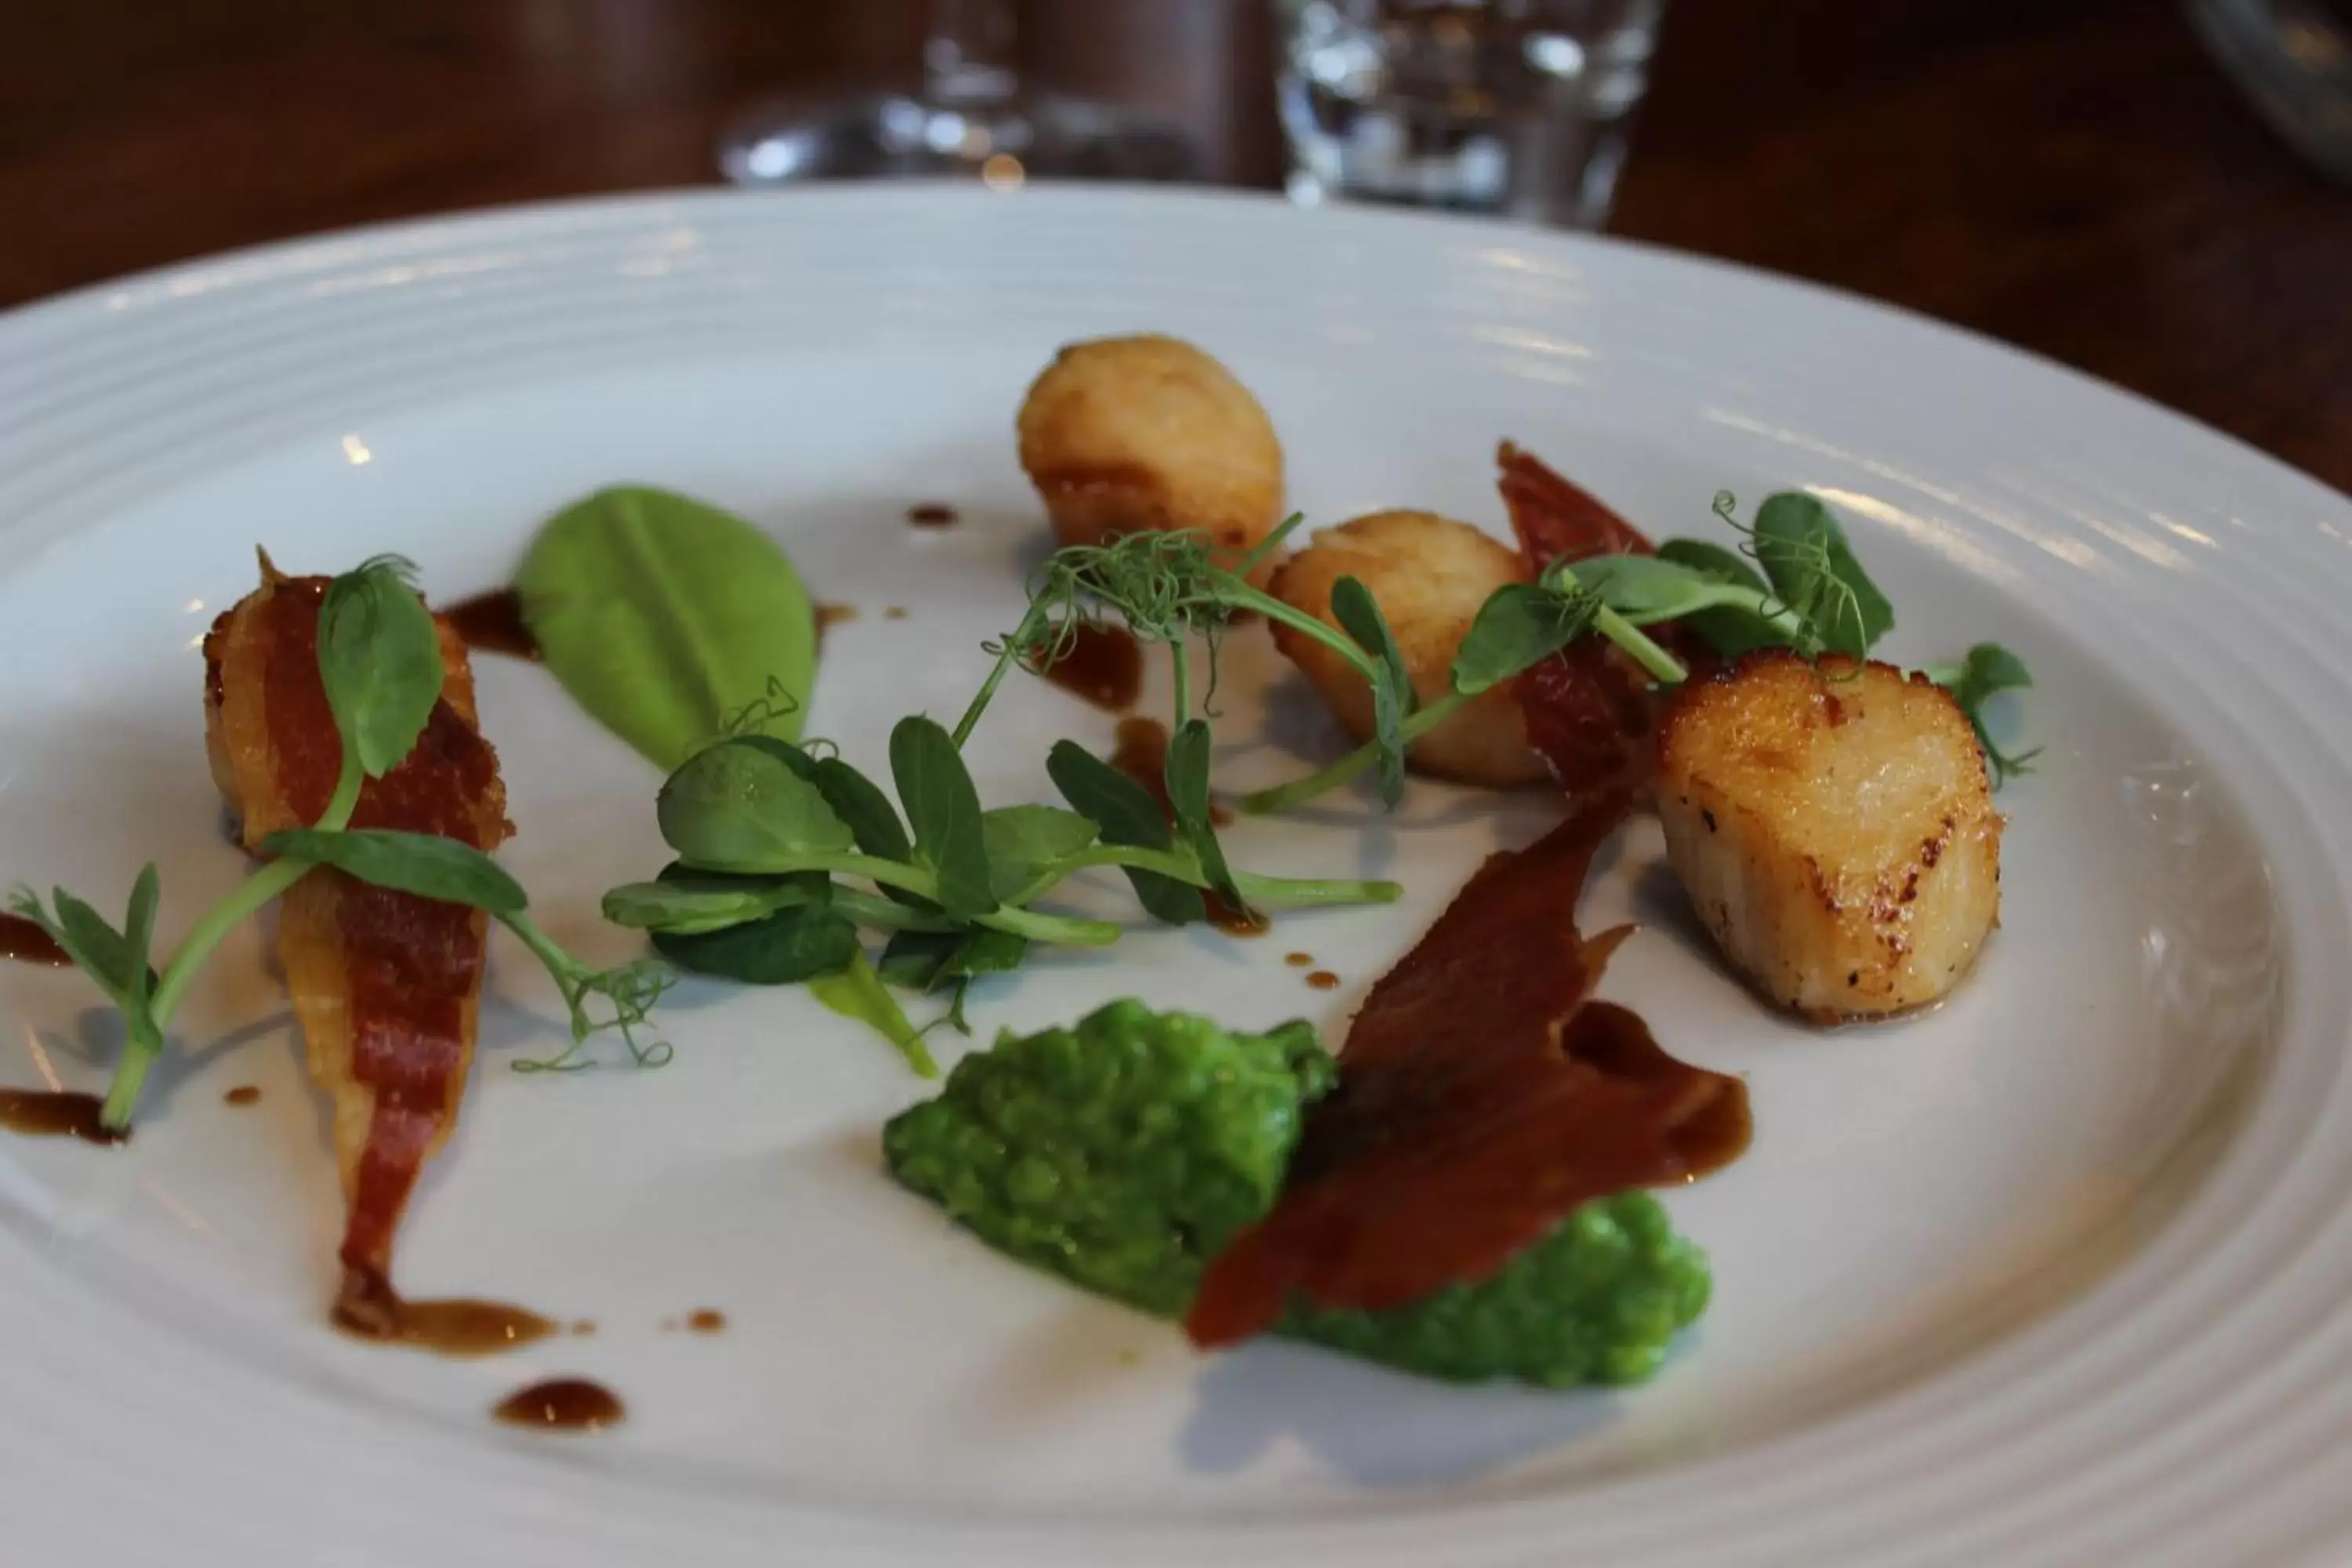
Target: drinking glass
{"points": [[2292, 58], [969, 116], [1513, 108]]}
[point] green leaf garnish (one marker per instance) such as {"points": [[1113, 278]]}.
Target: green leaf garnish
{"points": [[1126, 814], [927, 960], [1188, 794], [139, 937], [986, 952], [421, 863], [1358, 615], [943, 807], [1806, 558], [858, 992], [96, 947], [1518, 627], [1028, 845], [738, 806], [431, 867], [687, 902], [918, 959], [760, 930], [795, 943], [380, 660], [859, 802], [1729, 629], [669, 620], [1713, 561], [1644, 589], [1986, 671]]}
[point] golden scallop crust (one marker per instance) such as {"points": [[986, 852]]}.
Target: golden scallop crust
{"points": [[1833, 826], [1149, 434], [1429, 574]]}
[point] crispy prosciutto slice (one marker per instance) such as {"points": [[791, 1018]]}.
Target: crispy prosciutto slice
{"points": [[1482, 1096], [386, 984], [1589, 711], [1554, 520]]}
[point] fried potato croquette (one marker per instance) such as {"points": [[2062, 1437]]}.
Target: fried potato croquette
{"points": [[1833, 826], [1150, 434], [1430, 575]]}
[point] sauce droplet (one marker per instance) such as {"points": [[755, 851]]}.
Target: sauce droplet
{"points": [[27, 942], [563, 1404], [706, 1321], [493, 623], [243, 1094], [57, 1114], [1324, 980], [895, 613], [933, 514], [585, 1326], [368, 1307], [1104, 665], [1232, 920], [1140, 752], [1299, 959], [829, 615]]}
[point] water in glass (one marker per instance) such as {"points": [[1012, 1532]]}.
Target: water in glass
{"points": [[1516, 108]]}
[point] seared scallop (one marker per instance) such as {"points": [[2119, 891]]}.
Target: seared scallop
{"points": [[1429, 574], [1833, 824], [1150, 434]]}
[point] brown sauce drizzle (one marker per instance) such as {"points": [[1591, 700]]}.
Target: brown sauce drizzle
{"points": [[1324, 980], [1104, 665], [895, 613], [933, 514], [1299, 959], [1140, 752], [563, 1404], [369, 1309], [585, 1326], [831, 616], [27, 942], [56, 1113], [493, 623], [243, 1094], [706, 1321], [1482, 1095]]}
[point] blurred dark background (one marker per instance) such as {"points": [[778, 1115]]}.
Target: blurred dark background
{"points": [[2072, 176]]}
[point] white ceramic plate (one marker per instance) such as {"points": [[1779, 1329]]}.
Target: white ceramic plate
{"points": [[2055, 1275]]}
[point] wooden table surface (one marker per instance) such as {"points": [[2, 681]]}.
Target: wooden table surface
{"points": [[2071, 176]]}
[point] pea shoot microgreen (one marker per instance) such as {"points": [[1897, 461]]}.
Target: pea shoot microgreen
{"points": [[1987, 670], [380, 663], [1793, 582], [777, 844]]}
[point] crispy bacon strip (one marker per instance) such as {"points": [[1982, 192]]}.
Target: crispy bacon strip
{"points": [[1482, 1096], [1588, 712], [386, 984]]}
